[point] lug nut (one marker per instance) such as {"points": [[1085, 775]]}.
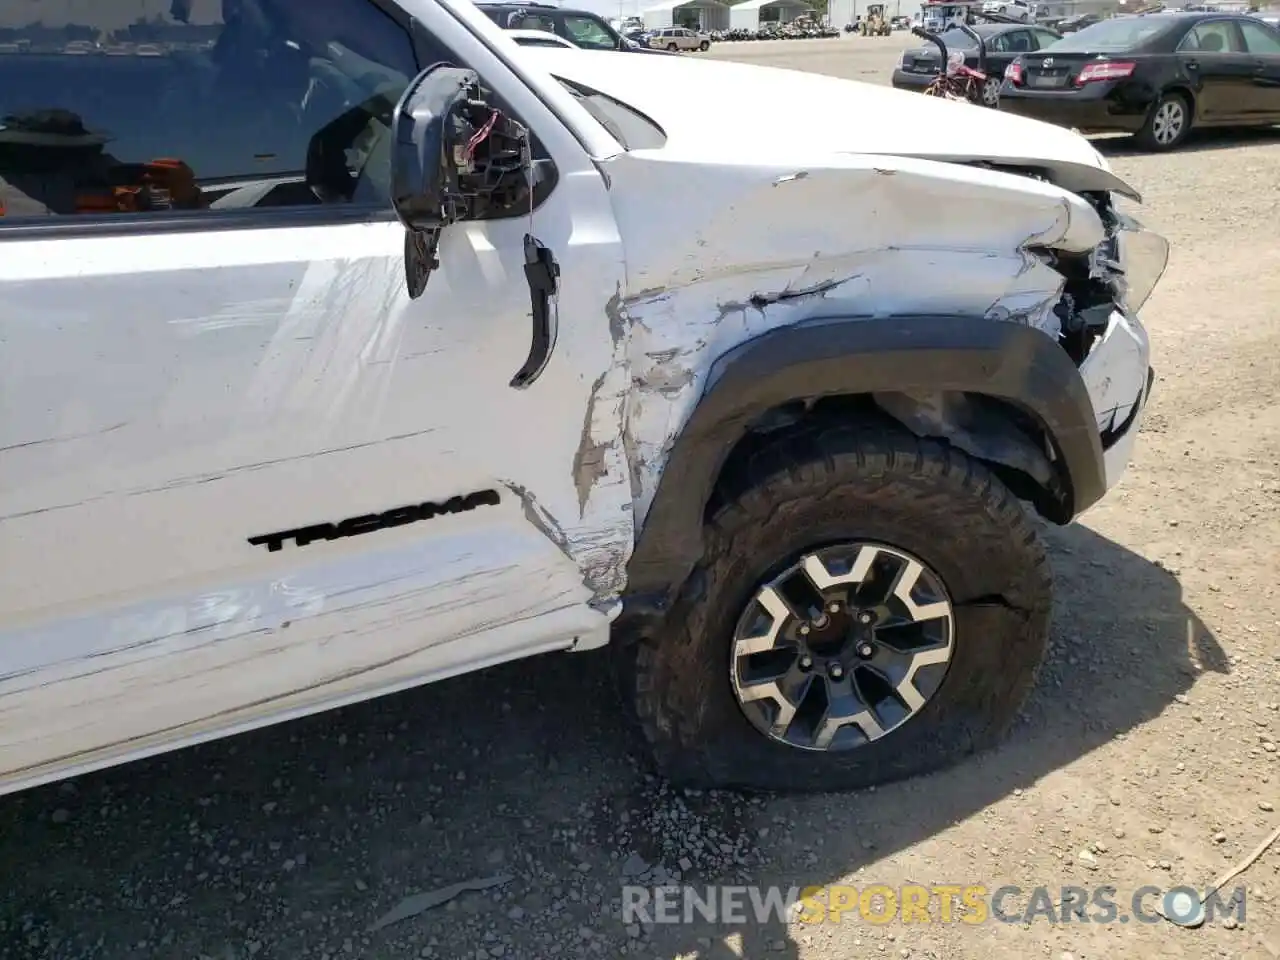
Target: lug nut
{"points": [[804, 629], [865, 617], [865, 650], [833, 607], [806, 663], [837, 671]]}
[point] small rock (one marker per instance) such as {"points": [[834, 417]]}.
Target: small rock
{"points": [[1265, 806], [515, 913], [634, 865], [1230, 923], [60, 815], [1219, 837]]}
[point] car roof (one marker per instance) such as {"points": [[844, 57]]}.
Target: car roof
{"points": [[1177, 16]]}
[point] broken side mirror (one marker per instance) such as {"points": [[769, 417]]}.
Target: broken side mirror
{"points": [[455, 155]]}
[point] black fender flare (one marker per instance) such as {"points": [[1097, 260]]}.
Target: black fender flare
{"points": [[846, 355]]}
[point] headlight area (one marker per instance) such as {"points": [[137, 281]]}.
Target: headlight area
{"points": [[1121, 272]]}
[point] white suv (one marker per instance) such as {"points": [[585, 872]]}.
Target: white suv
{"points": [[1015, 9], [680, 38]]}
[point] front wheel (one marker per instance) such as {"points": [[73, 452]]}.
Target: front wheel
{"points": [[672, 47], [1168, 123], [872, 607], [704, 46]]}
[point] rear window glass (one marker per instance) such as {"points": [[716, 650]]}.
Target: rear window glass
{"points": [[958, 39], [1122, 33]]}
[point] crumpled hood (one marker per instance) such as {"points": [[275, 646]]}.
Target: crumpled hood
{"points": [[766, 113]]}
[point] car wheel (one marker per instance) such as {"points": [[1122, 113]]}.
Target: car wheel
{"points": [[1168, 123], [704, 46], [991, 92], [869, 607], [672, 46]]}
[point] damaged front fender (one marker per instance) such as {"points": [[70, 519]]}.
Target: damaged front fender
{"points": [[921, 354]]}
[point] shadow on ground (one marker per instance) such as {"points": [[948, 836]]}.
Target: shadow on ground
{"points": [[288, 843], [1197, 140]]}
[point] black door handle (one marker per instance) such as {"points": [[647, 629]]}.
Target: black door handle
{"points": [[542, 274]]}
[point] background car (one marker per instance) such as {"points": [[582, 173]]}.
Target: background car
{"points": [[1017, 9], [1004, 41], [1078, 22], [1155, 75], [679, 38], [583, 29], [540, 38]]}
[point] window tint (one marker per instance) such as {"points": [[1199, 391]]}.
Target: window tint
{"points": [[1213, 36], [1113, 36], [1043, 38], [519, 20], [134, 106], [589, 34], [997, 44], [1258, 39], [958, 39]]}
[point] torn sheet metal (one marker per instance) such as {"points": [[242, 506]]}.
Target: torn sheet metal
{"points": [[838, 243]]}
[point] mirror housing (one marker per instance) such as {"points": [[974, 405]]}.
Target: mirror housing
{"points": [[427, 123], [454, 156]]}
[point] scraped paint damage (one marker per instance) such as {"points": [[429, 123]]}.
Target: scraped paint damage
{"points": [[731, 285]]}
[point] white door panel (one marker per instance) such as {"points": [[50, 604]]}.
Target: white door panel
{"points": [[87, 690], [166, 397]]}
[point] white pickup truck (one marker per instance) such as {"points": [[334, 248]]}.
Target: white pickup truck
{"points": [[338, 357]]}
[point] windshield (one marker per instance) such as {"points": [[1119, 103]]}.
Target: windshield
{"points": [[1122, 33], [627, 125]]}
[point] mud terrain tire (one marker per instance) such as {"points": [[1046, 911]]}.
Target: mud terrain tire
{"points": [[828, 485]]}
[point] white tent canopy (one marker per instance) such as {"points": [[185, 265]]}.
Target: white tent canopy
{"points": [[701, 14], [748, 15]]}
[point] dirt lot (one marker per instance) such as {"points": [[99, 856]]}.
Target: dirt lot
{"points": [[1148, 755]]}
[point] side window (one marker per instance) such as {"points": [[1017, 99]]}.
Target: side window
{"points": [[1212, 36], [528, 21], [1043, 38], [114, 107], [1001, 43], [589, 34], [1258, 39]]}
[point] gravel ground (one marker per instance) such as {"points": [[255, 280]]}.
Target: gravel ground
{"points": [[1147, 756]]}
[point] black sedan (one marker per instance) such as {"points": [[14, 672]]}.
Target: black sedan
{"points": [[1155, 75], [1004, 42]]}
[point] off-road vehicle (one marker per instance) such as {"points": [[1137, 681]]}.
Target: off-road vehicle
{"points": [[347, 347]]}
